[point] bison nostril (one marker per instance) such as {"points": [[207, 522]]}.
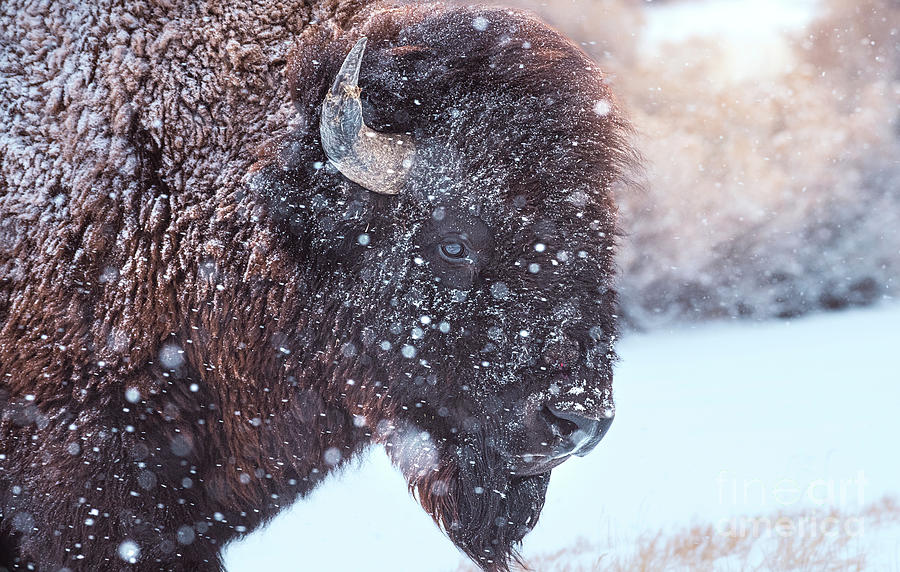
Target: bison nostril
{"points": [[561, 427], [587, 431]]}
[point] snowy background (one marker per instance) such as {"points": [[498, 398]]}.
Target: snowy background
{"points": [[772, 194]]}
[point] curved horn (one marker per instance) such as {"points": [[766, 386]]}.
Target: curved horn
{"points": [[377, 161]]}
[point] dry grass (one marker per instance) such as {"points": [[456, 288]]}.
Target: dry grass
{"points": [[780, 542]]}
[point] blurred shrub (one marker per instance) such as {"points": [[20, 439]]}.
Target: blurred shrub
{"points": [[768, 197]]}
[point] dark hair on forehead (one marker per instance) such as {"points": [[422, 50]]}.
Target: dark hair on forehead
{"points": [[503, 68], [498, 86], [440, 59]]}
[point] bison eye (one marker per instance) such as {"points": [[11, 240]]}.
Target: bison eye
{"points": [[453, 250]]}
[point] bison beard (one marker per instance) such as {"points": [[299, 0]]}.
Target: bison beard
{"points": [[477, 502]]}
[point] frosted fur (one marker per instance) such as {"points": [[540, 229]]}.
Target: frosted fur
{"points": [[193, 331]]}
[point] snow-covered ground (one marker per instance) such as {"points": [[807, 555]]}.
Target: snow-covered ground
{"points": [[713, 423]]}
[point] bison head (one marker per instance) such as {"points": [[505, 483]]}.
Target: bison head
{"points": [[447, 192]]}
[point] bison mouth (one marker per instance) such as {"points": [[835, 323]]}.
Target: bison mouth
{"points": [[469, 490], [529, 465], [570, 434]]}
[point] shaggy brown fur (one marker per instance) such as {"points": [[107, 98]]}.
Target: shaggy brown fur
{"points": [[189, 340]]}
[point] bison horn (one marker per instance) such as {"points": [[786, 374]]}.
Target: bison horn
{"points": [[377, 161]]}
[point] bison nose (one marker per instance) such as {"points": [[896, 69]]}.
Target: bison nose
{"points": [[580, 434]]}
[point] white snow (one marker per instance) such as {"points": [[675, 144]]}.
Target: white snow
{"points": [[713, 423], [752, 33], [129, 551], [732, 19]]}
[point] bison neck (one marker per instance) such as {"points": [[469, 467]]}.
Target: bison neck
{"points": [[137, 388]]}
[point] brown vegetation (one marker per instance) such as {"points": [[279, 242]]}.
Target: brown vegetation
{"points": [[771, 543]]}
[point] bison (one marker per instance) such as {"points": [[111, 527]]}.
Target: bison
{"points": [[242, 241]]}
